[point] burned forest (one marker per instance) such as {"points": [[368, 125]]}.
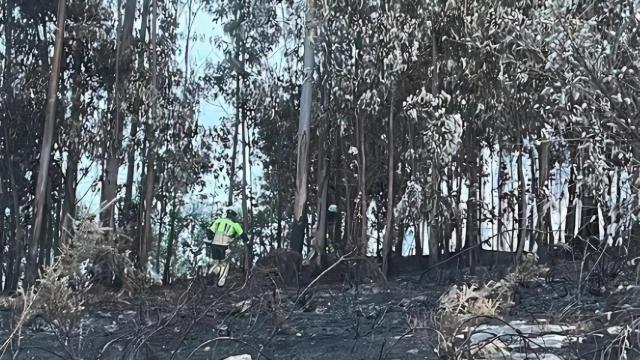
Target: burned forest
{"points": [[307, 179]]}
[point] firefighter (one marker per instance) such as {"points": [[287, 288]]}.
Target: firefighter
{"points": [[223, 233]]}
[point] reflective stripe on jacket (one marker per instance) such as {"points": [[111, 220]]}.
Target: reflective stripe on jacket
{"points": [[225, 230]]}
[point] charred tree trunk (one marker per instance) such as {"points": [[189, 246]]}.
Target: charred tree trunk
{"points": [[386, 252], [361, 246], [123, 70], [522, 208], [135, 122], [45, 153], [68, 212], [434, 225], [166, 278], [236, 132], [570, 227], [323, 184], [545, 237], [151, 154], [163, 213], [472, 212]]}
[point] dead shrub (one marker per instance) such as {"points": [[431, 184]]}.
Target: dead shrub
{"points": [[88, 260], [527, 270], [466, 307]]}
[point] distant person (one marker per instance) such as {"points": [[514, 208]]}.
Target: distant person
{"points": [[220, 236]]}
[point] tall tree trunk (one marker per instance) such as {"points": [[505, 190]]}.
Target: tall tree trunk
{"points": [[71, 172], [151, 153], [166, 278], [434, 226], [304, 131], [500, 218], [363, 244], [16, 243], [458, 211], [522, 208], [248, 259], [55, 234], [417, 235], [3, 242], [390, 171], [544, 238], [236, 131], [163, 212], [279, 218], [472, 210], [45, 153], [123, 70], [135, 122], [319, 242]]}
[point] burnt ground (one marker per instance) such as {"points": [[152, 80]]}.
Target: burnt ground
{"points": [[194, 320]]}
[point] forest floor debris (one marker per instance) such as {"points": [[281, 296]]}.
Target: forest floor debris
{"points": [[193, 320]]}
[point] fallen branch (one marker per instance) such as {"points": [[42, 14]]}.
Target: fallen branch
{"points": [[228, 339], [344, 257]]}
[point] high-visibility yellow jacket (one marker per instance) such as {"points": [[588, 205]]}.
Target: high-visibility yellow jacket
{"points": [[225, 230]]}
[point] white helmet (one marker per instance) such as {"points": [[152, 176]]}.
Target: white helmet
{"points": [[234, 210]]}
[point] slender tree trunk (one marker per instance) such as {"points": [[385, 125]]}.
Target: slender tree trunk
{"points": [[44, 236], [390, 171], [55, 234], [417, 234], [323, 184], [522, 218], [166, 278], [434, 226], [163, 212], [123, 70], [545, 238], [362, 179], [400, 238], [500, 218], [135, 122], [248, 259], [236, 131], [16, 243], [3, 242], [304, 129], [279, 215], [149, 188], [534, 217], [45, 153], [472, 211], [71, 174], [459, 220]]}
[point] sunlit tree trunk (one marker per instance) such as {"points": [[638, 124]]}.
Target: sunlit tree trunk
{"points": [[304, 131], [166, 278], [390, 171], [45, 153]]}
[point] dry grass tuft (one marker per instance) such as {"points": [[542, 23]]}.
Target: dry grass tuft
{"points": [[90, 260]]}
